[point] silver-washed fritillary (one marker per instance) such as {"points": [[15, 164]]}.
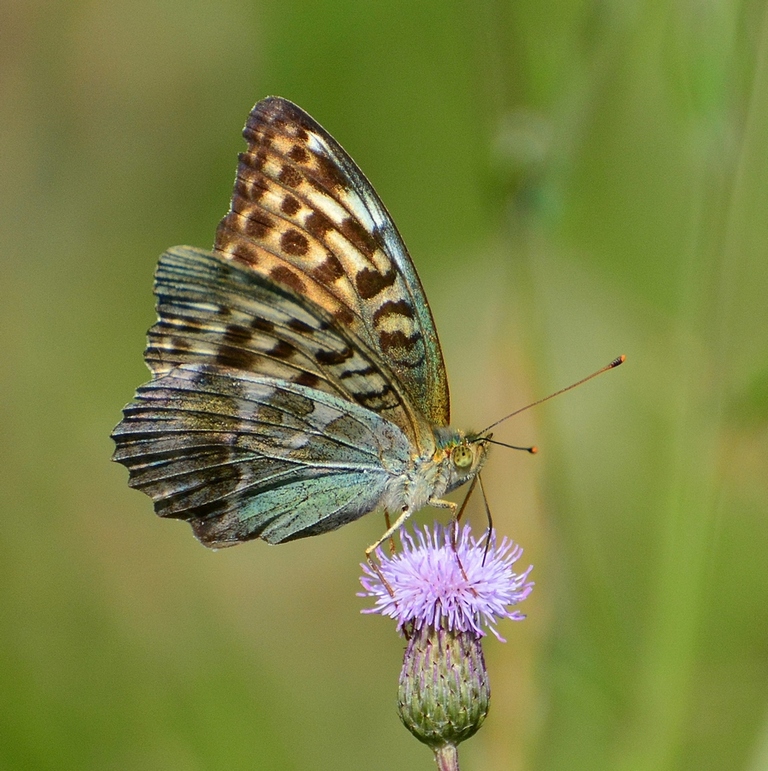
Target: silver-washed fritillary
{"points": [[297, 377]]}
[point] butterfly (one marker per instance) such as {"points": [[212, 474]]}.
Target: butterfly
{"points": [[297, 377]]}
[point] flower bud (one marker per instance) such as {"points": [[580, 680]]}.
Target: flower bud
{"points": [[444, 693]]}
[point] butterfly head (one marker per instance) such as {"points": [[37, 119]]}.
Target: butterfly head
{"points": [[466, 456]]}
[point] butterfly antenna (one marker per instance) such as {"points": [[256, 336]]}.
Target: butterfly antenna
{"points": [[615, 363], [533, 450]]}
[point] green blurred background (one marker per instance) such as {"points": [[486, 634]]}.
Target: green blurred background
{"points": [[575, 179]]}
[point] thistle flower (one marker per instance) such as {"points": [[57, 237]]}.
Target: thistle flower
{"points": [[461, 588], [444, 596]]}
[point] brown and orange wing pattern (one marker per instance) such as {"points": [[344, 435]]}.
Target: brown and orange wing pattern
{"points": [[304, 216]]}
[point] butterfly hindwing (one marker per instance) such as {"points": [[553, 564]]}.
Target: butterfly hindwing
{"points": [[304, 216], [244, 456]]}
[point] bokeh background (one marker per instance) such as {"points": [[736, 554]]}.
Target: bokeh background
{"points": [[575, 179]]}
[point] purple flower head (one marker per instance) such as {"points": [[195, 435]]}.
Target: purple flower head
{"points": [[429, 587]]}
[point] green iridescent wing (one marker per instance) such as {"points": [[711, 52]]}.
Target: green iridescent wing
{"points": [[248, 456], [304, 215]]}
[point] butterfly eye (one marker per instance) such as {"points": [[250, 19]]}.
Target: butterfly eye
{"points": [[462, 456]]}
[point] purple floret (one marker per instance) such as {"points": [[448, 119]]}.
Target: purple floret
{"points": [[429, 586]]}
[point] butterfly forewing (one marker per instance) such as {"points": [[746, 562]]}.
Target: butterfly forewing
{"points": [[305, 216]]}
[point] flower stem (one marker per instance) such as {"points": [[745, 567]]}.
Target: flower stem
{"points": [[447, 757]]}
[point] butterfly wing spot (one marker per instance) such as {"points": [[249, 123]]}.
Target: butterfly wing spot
{"points": [[282, 350], [235, 334], [307, 379], [359, 237], [290, 177], [289, 205], [236, 358], [363, 373], [317, 224], [251, 189], [298, 154], [393, 308], [254, 160], [400, 346], [329, 271], [328, 173], [293, 242], [334, 358], [295, 404], [240, 251], [287, 277], [260, 324], [370, 282], [179, 344]]}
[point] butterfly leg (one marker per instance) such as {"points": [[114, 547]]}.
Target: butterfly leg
{"points": [[391, 530], [489, 531], [388, 524], [439, 503]]}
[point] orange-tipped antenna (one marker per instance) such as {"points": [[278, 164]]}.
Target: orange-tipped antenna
{"points": [[615, 363], [532, 450]]}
